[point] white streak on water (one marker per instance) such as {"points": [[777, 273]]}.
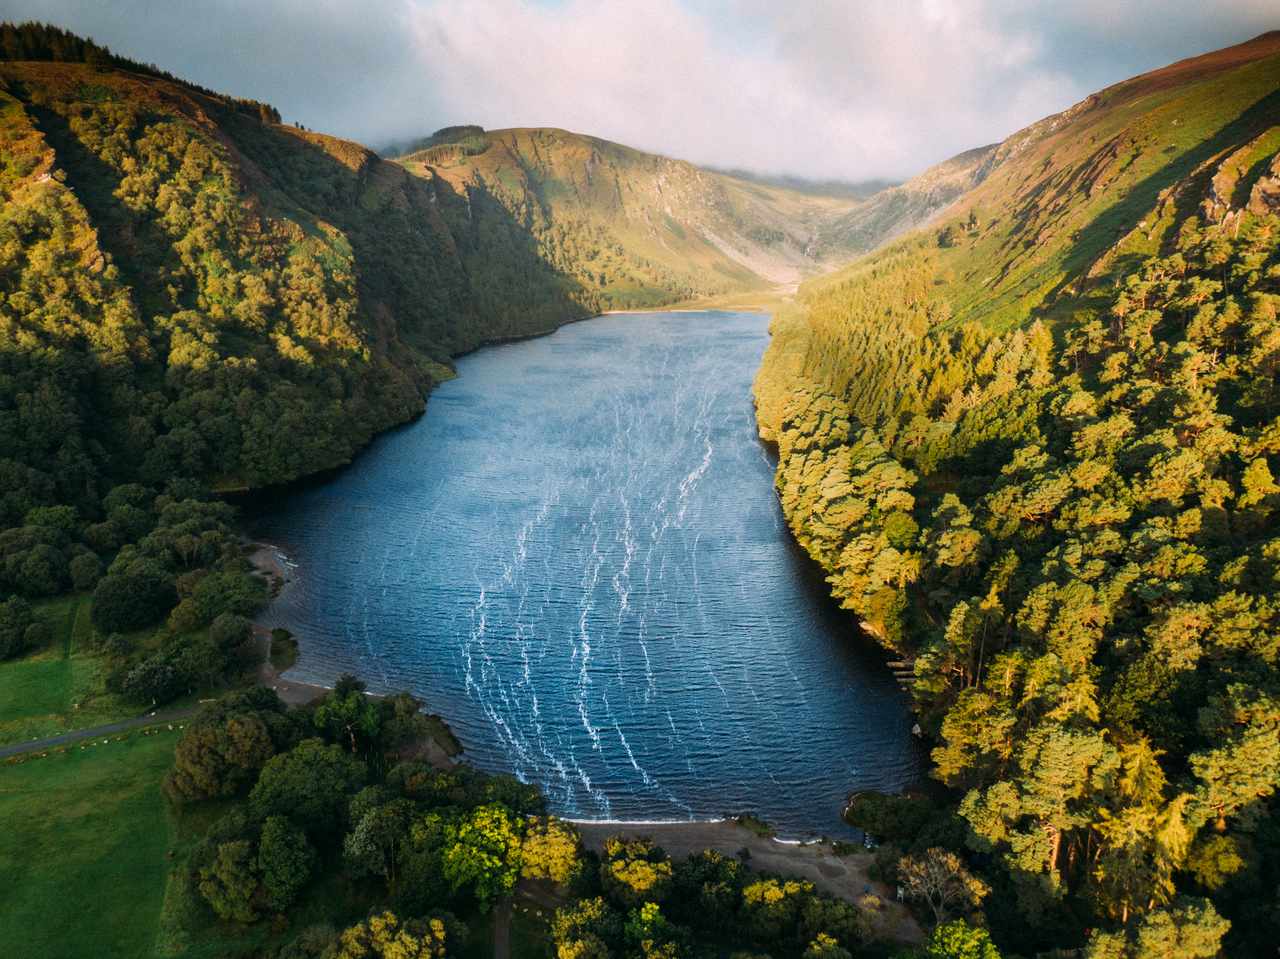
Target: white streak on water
{"points": [[577, 557]]}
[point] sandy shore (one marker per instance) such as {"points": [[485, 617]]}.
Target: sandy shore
{"points": [[268, 561], [842, 876]]}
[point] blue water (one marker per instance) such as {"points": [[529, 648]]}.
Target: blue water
{"points": [[577, 557]]}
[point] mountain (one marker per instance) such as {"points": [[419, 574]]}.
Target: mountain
{"points": [[245, 302], [636, 228], [893, 210], [1033, 448], [1057, 209]]}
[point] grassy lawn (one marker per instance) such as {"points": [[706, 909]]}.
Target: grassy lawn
{"points": [[82, 851], [58, 688]]}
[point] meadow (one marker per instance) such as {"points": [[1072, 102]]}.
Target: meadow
{"points": [[83, 851]]}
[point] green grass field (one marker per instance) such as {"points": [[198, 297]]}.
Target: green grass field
{"points": [[58, 688], [83, 850]]}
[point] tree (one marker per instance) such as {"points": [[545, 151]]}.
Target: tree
{"points": [[649, 934], [939, 878], [346, 715], [44, 571], [16, 618], [826, 947], [482, 853], [1190, 929], [230, 631], [634, 871], [380, 831], [422, 883], [385, 936], [771, 908], [222, 750], [706, 890], [286, 861], [126, 602], [958, 940], [586, 929], [551, 850], [85, 569], [310, 785], [153, 681], [230, 883]]}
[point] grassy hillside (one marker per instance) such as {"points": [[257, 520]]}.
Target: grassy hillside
{"points": [[635, 228], [1033, 446], [638, 230]]}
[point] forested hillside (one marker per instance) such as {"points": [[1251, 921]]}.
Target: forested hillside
{"points": [[193, 292], [195, 298], [1035, 447]]}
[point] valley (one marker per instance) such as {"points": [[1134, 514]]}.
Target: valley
{"points": [[1010, 424]]}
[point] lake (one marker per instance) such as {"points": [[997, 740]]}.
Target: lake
{"points": [[577, 557]]}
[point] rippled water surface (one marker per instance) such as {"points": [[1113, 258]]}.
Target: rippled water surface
{"points": [[577, 557]]}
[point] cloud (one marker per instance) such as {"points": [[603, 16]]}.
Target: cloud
{"points": [[839, 89]]}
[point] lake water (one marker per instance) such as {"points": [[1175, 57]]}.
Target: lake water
{"points": [[577, 557]]}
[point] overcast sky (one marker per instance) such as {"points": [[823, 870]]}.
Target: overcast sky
{"points": [[854, 90]]}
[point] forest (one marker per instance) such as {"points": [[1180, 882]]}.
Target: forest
{"points": [[329, 810], [1057, 501]]}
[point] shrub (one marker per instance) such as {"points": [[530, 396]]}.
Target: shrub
{"points": [[15, 618]]}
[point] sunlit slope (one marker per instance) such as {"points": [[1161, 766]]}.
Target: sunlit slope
{"points": [[641, 229], [1059, 210], [1033, 448], [189, 288]]}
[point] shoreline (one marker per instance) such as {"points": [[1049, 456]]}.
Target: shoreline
{"points": [[814, 859], [270, 561], [844, 876], [443, 746]]}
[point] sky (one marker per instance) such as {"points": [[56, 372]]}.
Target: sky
{"points": [[852, 90]]}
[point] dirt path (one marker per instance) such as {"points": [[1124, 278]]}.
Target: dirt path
{"points": [[502, 930], [842, 876]]}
